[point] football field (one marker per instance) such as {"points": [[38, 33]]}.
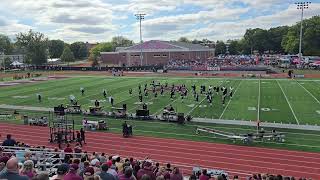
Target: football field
{"points": [[270, 100]]}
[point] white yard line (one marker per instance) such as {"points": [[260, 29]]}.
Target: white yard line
{"points": [[195, 106], [258, 112], [230, 100], [309, 93], [288, 103]]}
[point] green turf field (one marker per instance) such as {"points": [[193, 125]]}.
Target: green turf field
{"points": [[286, 101]]}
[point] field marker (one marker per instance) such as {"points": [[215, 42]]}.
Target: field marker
{"points": [[230, 101], [288, 103], [258, 114], [309, 93]]}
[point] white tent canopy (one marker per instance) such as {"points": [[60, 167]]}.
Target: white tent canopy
{"points": [[16, 63]]}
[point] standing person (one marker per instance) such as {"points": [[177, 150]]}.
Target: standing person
{"points": [[130, 91], [79, 140], [59, 139], [82, 91], [104, 93], [82, 133], [176, 175], [231, 92], [140, 97], [39, 98]]}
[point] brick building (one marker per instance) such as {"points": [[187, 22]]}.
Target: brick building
{"points": [[156, 52]]}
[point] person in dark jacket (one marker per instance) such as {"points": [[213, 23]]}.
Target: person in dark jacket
{"points": [[12, 172], [9, 141], [82, 133], [104, 175]]}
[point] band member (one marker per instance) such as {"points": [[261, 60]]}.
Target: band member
{"points": [[39, 97], [82, 91], [145, 92], [166, 85], [197, 97], [171, 94], [139, 86], [155, 94], [231, 92], [111, 100], [223, 100], [139, 91], [96, 103], [161, 91], [140, 97], [130, 91], [181, 94], [224, 91], [104, 93], [217, 90]]}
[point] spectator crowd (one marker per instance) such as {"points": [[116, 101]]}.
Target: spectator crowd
{"points": [[72, 163]]}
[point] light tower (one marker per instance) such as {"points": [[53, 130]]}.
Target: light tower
{"points": [[301, 6], [140, 17]]}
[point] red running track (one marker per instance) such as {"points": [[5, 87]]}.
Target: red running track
{"points": [[240, 160]]}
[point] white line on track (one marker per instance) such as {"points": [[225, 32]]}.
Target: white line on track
{"points": [[230, 100], [289, 103], [309, 93]]}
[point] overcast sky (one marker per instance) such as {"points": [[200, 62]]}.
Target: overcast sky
{"points": [[100, 20]]}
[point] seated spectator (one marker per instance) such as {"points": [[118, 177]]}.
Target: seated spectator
{"points": [[127, 174], [88, 173], [3, 163], [62, 170], [169, 168], [204, 175], [73, 173], [12, 171], [102, 158], [28, 169], [9, 141], [176, 175], [68, 149], [119, 164], [113, 172], [41, 176], [156, 169], [104, 175], [146, 169], [86, 164], [145, 177]]}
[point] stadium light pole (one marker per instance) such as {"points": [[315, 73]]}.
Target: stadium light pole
{"points": [[140, 17], [301, 6]]}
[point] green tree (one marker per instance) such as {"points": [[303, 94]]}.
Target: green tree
{"points": [[67, 55], [234, 48], [55, 48], [102, 47], [5, 44], [120, 41], [35, 45], [79, 50], [184, 39], [7, 62], [220, 47], [275, 38]]}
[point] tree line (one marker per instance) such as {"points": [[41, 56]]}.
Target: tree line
{"points": [[37, 48], [277, 40]]}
